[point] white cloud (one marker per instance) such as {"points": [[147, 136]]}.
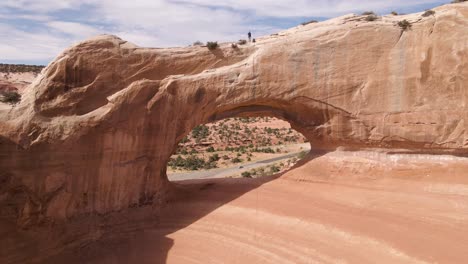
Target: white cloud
{"points": [[26, 46], [52, 25], [74, 30], [303, 8], [40, 6], [171, 23]]}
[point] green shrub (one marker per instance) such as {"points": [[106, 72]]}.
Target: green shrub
{"points": [[264, 150], [458, 1], [404, 24], [371, 18], [236, 160], [302, 155], [214, 158], [242, 42], [274, 169], [212, 45], [10, 97], [200, 132], [198, 43], [394, 13], [368, 13], [246, 174], [190, 163], [194, 163], [14, 68], [210, 165], [261, 171], [210, 149], [183, 151], [428, 13], [309, 22]]}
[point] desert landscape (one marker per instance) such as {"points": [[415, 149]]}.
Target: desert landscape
{"points": [[339, 141], [239, 142]]}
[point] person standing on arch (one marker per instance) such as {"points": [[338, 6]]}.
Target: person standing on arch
{"points": [[250, 36]]}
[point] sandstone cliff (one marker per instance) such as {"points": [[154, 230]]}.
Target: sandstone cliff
{"points": [[94, 131]]}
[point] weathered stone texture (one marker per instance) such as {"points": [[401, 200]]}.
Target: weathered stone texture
{"points": [[94, 132]]}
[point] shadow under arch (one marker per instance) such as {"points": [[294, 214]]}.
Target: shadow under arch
{"points": [[191, 200], [124, 232], [186, 203]]}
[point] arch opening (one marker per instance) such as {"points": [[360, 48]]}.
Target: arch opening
{"points": [[251, 144]]}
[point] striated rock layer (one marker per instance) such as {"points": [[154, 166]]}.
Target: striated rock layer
{"points": [[93, 133], [341, 207]]}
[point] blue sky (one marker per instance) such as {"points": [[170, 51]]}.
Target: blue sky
{"points": [[36, 31]]}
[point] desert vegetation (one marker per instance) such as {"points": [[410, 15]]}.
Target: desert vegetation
{"points": [[272, 169], [428, 13], [233, 141], [371, 18], [193, 162], [212, 45], [404, 25], [368, 13], [309, 22], [10, 97], [18, 68]]}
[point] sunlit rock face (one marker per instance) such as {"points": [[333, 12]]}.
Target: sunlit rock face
{"points": [[94, 131]]}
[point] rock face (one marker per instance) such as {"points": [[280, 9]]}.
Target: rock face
{"points": [[94, 131]]}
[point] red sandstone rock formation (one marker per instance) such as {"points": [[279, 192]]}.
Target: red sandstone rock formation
{"points": [[93, 133], [7, 87]]}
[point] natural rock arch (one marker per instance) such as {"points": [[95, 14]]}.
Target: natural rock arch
{"points": [[93, 134]]}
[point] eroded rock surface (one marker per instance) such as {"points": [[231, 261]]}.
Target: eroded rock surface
{"points": [[93, 133]]}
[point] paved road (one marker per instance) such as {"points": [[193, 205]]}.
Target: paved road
{"points": [[225, 172]]}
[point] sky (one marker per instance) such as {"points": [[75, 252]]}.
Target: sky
{"points": [[36, 31]]}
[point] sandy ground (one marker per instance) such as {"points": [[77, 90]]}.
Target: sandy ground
{"points": [[337, 208], [18, 80], [5, 107]]}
